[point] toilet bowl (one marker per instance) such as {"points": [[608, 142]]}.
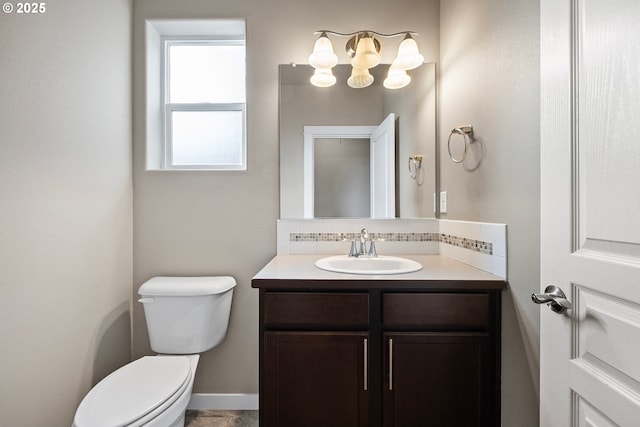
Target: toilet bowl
{"points": [[152, 391], [185, 316]]}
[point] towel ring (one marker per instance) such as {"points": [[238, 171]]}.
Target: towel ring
{"points": [[466, 132]]}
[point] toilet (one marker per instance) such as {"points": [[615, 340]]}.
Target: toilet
{"points": [[185, 316]]}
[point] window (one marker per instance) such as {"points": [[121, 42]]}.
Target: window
{"points": [[202, 104]]}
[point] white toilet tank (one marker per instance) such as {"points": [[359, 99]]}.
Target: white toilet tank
{"points": [[186, 315]]}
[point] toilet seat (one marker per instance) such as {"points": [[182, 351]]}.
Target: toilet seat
{"points": [[135, 393]]}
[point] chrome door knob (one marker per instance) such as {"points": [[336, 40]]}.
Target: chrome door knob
{"points": [[554, 298]]}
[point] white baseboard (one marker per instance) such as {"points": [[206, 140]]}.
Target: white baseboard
{"points": [[216, 401]]}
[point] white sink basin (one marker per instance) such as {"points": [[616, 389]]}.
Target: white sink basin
{"points": [[368, 265]]}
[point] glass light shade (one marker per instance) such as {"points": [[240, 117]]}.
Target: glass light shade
{"points": [[360, 78], [408, 56], [396, 78], [323, 77], [323, 56], [366, 55]]}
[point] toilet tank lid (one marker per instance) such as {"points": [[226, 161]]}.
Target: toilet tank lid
{"points": [[186, 286]]}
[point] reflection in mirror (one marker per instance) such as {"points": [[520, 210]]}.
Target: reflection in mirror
{"points": [[341, 178], [379, 192], [303, 105]]}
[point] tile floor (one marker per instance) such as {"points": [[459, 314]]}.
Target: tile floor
{"points": [[221, 419]]}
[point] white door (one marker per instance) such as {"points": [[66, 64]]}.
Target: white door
{"points": [[383, 172], [590, 229]]}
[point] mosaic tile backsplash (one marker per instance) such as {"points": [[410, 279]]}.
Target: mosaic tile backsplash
{"points": [[481, 245], [461, 242]]}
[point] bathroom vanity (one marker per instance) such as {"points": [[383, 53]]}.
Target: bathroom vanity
{"points": [[414, 349]]}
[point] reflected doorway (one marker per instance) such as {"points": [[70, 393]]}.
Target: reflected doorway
{"points": [[381, 157]]}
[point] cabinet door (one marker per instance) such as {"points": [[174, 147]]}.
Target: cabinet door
{"points": [[315, 379], [437, 379]]}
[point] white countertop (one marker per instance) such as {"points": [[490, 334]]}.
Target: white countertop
{"points": [[435, 268]]}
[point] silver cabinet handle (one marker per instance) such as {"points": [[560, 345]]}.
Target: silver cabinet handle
{"points": [[554, 298], [366, 370], [390, 364]]}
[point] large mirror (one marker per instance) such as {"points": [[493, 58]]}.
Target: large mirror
{"points": [[330, 166]]}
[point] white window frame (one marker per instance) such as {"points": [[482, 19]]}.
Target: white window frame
{"points": [[167, 42], [158, 34]]}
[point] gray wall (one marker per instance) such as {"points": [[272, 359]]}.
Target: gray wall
{"points": [[65, 206], [222, 222], [490, 79]]}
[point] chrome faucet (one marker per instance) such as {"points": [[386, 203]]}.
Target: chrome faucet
{"points": [[364, 236]]}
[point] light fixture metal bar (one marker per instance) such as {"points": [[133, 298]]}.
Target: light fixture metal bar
{"points": [[335, 33]]}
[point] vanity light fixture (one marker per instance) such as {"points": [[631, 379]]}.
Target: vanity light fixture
{"points": [[323, 60], [363, 47]]}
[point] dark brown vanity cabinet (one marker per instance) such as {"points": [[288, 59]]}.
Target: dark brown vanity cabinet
{"points": [[315, 379], [441, 361], [384, 355], [313, 361]]}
